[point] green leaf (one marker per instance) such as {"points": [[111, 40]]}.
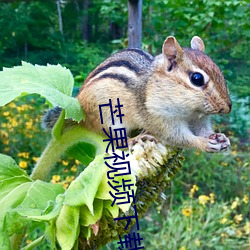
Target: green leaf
{"points": [[114, 211], [6, 186], [14, 198], [9, 220], [20, 198], [86, 218], [26, 202], [50, 234], [9, 168], [4, 240], [104, 188], [53, 82], [39, 194], [14, 223], [67, 226], [83, 152], [83, 189], [86, 231], [46, 216], [37, 199], [93, 183]]}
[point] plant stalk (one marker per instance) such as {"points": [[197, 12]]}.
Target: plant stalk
{"points": [[57, 147]]}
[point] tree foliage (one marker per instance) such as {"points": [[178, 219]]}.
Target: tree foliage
{"points": [[94, 29]]}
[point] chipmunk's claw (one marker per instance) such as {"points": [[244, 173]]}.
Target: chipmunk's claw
{"points": [[141, 139], [218, 142]]}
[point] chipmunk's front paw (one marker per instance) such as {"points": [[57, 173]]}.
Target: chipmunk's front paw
{"points": [[140, 139], [218, 142]]}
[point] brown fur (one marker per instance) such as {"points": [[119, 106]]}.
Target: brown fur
{"points": [[157, 94]]}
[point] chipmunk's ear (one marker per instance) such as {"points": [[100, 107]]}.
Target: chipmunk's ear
{"points": [[197, 43], [171, 49]]}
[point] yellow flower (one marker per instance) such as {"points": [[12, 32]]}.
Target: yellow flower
{"points": [[23, 107], [224, 164], [223, 220], [4, 134], [65, 185], [70, 178], [238, 218], [23, 164], [238, 233], [238, 159], [6, 149], [247, 227], [197, 242], [187, 211], [14, 123], [12, 105], [19, 108], [6, 141], [77, 162], [65, 163], [193, 190], [55, 178], [6, 113], [24, 154], [29, 124], [35, 159], [203, 199], [225, 207], [73, 168], [234, 152], [223, 235], [245, 199], [183, 248], [235, 203], [211, 195]]}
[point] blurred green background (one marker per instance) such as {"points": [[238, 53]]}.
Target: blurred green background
{"points": [[207, 206]]}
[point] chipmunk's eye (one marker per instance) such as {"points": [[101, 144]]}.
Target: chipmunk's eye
{"points": [[197, 79]]}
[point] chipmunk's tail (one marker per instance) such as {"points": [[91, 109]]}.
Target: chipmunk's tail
{"points": [[50, 117]]}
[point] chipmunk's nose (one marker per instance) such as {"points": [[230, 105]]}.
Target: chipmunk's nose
{"points": [[227, 108], [230, 106]]}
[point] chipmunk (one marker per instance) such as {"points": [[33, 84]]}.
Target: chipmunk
{"points": [[169, 97]]}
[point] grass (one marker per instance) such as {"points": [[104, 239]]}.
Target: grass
{"points": [[207, 206]]}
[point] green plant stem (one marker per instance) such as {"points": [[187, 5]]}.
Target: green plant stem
{"points": [[57, 147]]}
